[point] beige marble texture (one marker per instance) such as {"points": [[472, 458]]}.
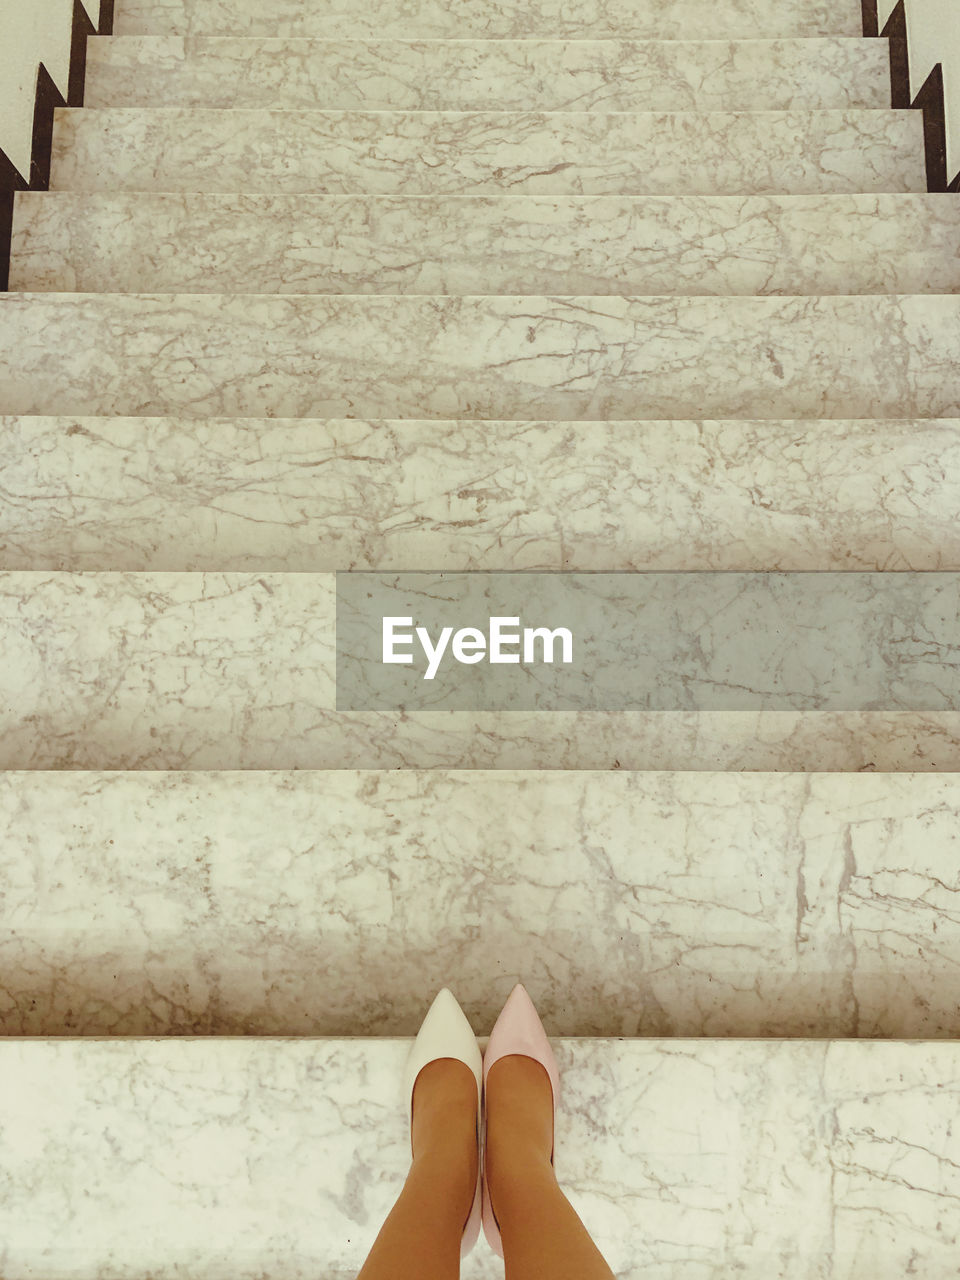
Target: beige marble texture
{"points": [[100, 242], [339, 19], [691, 1160], [146, 655], [272, 495], [568, 358], [235, 671], [653, 904], [477, 75], [451, 152]]}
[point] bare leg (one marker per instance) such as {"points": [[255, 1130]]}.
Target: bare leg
{"points": [[420, 1240], [543, 1238]]}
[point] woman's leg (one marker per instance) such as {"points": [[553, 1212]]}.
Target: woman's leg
{"points": [[543, 1239], [420, 1240]]}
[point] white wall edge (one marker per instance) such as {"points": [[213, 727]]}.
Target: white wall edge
{"points": [[31, 32]]}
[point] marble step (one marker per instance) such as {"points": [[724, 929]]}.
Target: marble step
{"points": [[653, 904], [478, 75], [566, 359], [686, 1160], [202, 243], [320, 495], [477, 153], [114, 670], [500, 19]]}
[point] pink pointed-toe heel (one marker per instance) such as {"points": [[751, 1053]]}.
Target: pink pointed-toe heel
{"points": [[518, 1031], [446, 1033]]}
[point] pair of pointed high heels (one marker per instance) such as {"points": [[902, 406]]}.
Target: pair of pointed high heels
{"points": [[446, 1033]]}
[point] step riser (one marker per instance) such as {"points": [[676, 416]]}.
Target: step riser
{"points": [[563, 358], [158, 494], [488, 75], [464, 244], [94, 736], [644, 904], [691, 153], [492, 19], [669, 1153], [210, 671]]}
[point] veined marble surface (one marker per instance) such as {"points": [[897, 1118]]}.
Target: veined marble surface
{"points": [[130, 656], [533, 152], [691, 1160], [654, 904], [562, 358], [656, 19], [470, 75], [214, 671], [100, 242], [271, 495]]}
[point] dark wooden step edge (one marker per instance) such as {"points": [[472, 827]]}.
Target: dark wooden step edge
{"points": [[928, 98], [48, 98]]}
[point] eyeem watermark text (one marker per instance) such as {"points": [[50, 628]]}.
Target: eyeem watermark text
{"points": [[503, 643]]}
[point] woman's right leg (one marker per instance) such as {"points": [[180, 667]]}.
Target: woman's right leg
{"points": [[420, 1239], [543, 1238]]}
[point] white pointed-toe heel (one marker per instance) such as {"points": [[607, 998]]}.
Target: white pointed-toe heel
{"points": [[518, 1031], [446, 1033]]}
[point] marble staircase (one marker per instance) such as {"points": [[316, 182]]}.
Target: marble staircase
{"points": [[453, 286]]}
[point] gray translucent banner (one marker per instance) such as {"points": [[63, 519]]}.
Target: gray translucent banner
{"points": [[655, 641]]}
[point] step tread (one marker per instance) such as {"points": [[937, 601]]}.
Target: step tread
{"points": [[562, 358], [665, 19], [237, 670], [478, 74], [215, 242], [680, 1157], [729, 904], [319, 495], [385, 152]]}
